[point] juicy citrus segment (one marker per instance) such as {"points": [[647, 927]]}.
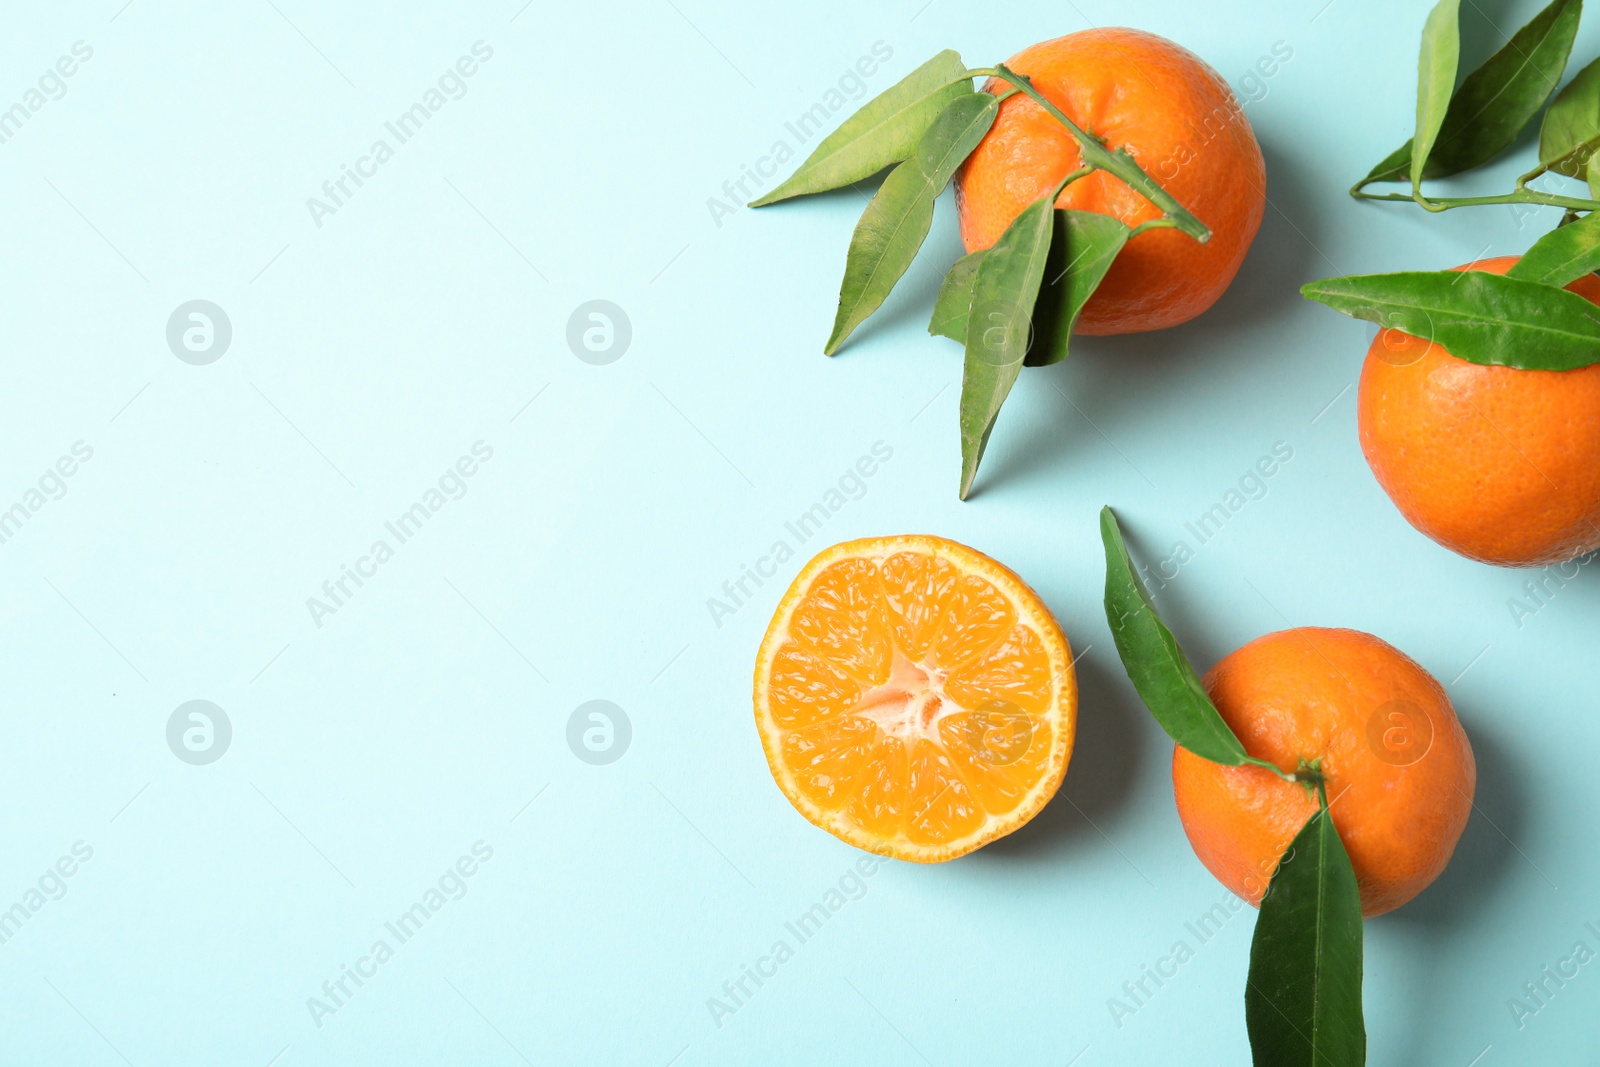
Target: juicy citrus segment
{"points": [[880, 806], [808, 688], [942, 806], [975, 617], [1016, 671], [914, 697], [843, 620], [987, 752], [827, 757], [916, 589]]}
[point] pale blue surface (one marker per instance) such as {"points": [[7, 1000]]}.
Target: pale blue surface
{"points": [[369, 754]]}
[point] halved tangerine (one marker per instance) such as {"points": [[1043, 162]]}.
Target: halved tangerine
{"points": [[914, 697]]}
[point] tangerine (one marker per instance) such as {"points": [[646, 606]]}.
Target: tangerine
{"points": [[914, 697], [1396, 764], [1499, 464], [1181, 123]]}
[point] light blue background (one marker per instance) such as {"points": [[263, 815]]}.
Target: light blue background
{"points": [[428, 313]]}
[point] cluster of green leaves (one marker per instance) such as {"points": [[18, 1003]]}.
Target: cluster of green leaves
{"points": [[1462, 128], [1526, 318], [1303, 994], [1011, 305]]}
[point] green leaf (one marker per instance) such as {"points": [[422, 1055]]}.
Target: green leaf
{"points": [[1436, 80], [999, 325], [955, 297], [1081, 251], [1479, 317], [1498, 99], [897, 220], [885, 131], [1563, 255], [1159, 670], [1395, 167], [1591, 174], [1302, 1003], [1082, 248], [1571, 128]]}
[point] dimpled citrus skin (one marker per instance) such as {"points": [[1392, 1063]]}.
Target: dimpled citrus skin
{"points": [[1309, 693], [1499, 464], [1183, 126]]}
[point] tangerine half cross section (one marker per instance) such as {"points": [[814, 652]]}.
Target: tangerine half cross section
{"points": [[914, 697]]}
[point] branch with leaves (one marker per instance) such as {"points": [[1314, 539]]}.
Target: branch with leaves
{"points": [[1303, 993], [1011, 305], [1524, 319]]}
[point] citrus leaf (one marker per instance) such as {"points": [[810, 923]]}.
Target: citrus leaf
{"points": [[896, 221], [1302, 1002], [1081, 251], [1591, 174], [1571, 128], [1395, 167], [885, 131], [1156, 666], [955, 297], [1563, 255], [1479, 317], [1082, 248], [999, 326], [1498, 99], [1436, 80]]}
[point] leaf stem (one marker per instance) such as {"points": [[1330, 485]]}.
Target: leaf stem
{"points": [[1118, 162], [1531, 175], [1163, 223], [1268, 765], [1081, 172], [1307, 774], [1520, 195]]}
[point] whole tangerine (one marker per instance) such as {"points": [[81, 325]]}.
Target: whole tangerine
{"points": [[1395, 762], [1499, 464], [1181, 123]]}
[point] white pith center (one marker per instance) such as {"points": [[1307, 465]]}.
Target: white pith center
{"points": [[911, 703]]}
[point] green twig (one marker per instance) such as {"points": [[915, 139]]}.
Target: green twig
{"points": [[1532, 174], [1520, 195], [1097, 156], [1163, 223], [1308, 774]]}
